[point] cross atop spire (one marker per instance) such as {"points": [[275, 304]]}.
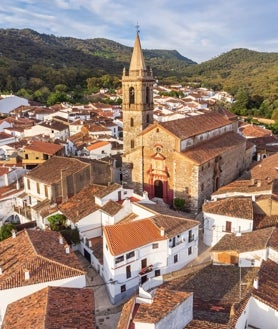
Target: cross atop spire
{"points": [[137, 28]]}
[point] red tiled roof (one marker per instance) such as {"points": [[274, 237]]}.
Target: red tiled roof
{"points": [[250, 241], [43, 147], [49, 172], [51, 308], [97, 145], [41, 254], [232, 207], [128, 236], [164, 302], [255, 131], [217, 146], [192, 126], [267, 169]]}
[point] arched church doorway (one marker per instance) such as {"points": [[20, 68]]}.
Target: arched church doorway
{"points": [[158, 189]]}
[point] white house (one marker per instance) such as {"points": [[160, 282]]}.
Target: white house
{"points": [[141, 251], [99, 149], [160, 309], [32, 260], [231, 215], [260, 308], [244, 249]]}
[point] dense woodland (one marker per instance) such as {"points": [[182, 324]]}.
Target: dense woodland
{"points": [[52, 69]]}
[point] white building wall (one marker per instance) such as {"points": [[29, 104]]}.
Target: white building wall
{"points": [[41, 194], [273, 255], [252, 258], [261, 315], [90, 226], [214, 227], [8, 296], [179, 317]]}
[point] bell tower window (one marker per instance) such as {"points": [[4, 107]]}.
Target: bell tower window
{"points": [[131, 95], [131, 122], [132, 144], [148, 95]]}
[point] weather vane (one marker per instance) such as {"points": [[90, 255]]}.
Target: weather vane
{"points": [[137, 27]]}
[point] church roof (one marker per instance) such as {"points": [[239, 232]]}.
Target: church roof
{"points": [[196, 125], [217, 146], [137, 62]]}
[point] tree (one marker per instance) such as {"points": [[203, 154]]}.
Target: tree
{"points": [[179, 203], [57, 222], [240, 105], [6, 231]]}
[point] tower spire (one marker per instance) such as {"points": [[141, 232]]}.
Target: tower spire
{"points": [[137, 63]]}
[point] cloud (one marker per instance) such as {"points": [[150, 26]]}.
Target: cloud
{"points": [[198, 29]]}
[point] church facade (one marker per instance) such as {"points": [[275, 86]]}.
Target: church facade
{"points": [[187, 158]]}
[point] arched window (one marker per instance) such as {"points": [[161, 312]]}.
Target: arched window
{"points": [[131, 95], [132, 143], [131, 122], [148, 95]]}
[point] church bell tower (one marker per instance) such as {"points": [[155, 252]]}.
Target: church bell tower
{"points": [[137, 107]]}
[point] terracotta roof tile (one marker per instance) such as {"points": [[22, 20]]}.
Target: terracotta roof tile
{"points": [[43, 147], [267, 169], [251, 241], [201, 324], [41, 254], [273, 241], [49, 172], [244, 186], [217, 146], [254, 131], [164, 302], [81, 204], [111, 207], [192, 126], [97, 145], [173, 225], [232, 207], [52, 308], [107, 190], [267, 291], [128, 236]]}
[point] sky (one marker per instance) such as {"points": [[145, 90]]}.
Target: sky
{"points": [[198, 29]]}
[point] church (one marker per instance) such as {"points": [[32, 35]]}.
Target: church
{"points": [[188, 158]]}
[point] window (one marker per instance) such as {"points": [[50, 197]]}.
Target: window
{"points": [[189, 250], [131, 122], [132, 143], [148, 118], [148, 95], [38, 188], [28, 184], [123, 288], [119, 259], [175, 258], [46, 191], [157, 273], [155, 245], [228, 226], [128, 272], [130, 254], [252, 262], [190, 236], [202, 187], [131, 95]]}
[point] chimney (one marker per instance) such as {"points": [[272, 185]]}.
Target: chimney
{"points": [[256, 283], [13, 233], [61, 241], [67, 249], [162, 231], [90, 243], [26, 274]]}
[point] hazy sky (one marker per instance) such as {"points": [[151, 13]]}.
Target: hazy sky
{"points": [[198, 29]]}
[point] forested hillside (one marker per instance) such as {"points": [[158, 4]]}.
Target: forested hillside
{"points": [[45, 67]]}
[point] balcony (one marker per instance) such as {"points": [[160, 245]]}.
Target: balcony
{"points": [[176, 248], [146, 270]]}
